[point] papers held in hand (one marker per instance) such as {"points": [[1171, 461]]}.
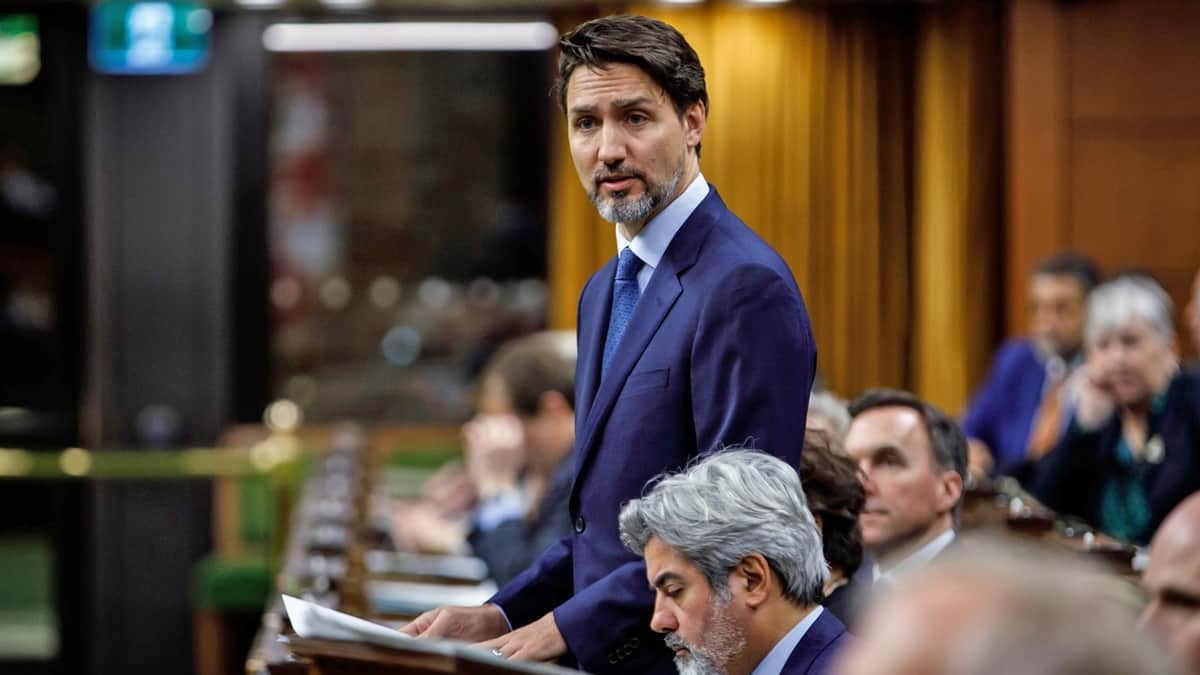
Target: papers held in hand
{"points": [[331, 637], [311, 620]]}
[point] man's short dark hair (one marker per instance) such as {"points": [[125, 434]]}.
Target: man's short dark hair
{"points": [[835, 495], [1069, 264], [655, 47], [946, 438], [532, 365]]}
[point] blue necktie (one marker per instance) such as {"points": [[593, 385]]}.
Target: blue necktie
{"points": [[625, 297]]}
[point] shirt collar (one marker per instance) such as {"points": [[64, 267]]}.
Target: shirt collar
{"points": [[918, 558], [776, 659], [651, 243]]}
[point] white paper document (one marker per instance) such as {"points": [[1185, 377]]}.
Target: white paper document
{"points": [[314, 621], [311, 620]]}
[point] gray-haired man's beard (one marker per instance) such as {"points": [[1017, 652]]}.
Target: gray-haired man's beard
{"points": [[694, 662], [620, 208], [723, 640]]}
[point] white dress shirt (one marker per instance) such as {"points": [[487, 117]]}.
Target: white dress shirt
{"points": [[915, 560], [777, 658], [651, 243]]}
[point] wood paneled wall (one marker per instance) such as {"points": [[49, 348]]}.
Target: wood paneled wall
{"points": [[1103, 122]]}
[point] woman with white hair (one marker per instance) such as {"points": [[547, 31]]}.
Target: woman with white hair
{"points": [[1132, 450]]}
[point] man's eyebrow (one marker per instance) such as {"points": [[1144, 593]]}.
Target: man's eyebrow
{"points": [[663, 578], [887, 449], [623, 104], [632, 102]]}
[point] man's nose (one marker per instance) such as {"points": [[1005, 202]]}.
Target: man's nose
{"points": [[663, 621], [612, 145], [864, 477]]}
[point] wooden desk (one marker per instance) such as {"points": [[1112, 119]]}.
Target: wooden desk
{"points": [[1004, 507]]}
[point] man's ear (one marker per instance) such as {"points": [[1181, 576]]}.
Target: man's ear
{"points": [[695, 119], [750, 580], [951, 487]]}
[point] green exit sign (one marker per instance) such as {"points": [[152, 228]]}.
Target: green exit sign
{"points": [[20, 49]]}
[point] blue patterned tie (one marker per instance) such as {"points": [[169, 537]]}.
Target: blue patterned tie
{"points": [[625, 297]]}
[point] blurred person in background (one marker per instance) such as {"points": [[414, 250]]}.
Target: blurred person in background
{"points": [[835, 497], [735, 561], [693, 337], [1005, 607], [912, 461], [518, 463], [512, 527], [1193, 313], [828, 414], [1129, 454], [1020, 410], [1172, 581]]}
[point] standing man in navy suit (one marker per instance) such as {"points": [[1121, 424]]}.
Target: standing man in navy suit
{"points": [[692, 338]]}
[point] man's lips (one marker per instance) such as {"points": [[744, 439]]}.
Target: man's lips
{"points": [[617, 184]]}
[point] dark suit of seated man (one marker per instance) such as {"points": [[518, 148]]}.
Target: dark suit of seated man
{"points": [[734, 557]]}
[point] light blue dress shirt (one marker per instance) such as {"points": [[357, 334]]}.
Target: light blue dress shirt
{"points": [[651, 243], [777, 658], [918, 559]]}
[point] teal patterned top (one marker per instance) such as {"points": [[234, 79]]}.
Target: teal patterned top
{"points": [[1124, 506]]}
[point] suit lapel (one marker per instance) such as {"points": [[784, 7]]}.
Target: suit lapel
{"points": [[653, 306], [825, 630], [593, 327]]}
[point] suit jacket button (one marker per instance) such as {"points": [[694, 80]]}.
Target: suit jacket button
{"points": [[612, 659], [580, 524]]}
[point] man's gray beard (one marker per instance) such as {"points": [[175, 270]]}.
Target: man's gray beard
{"points": [[623, 210], [723, 640]]}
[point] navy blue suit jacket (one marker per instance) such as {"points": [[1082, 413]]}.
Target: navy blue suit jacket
{"points": [[719, 351], [817, 650], [1003, 410]]}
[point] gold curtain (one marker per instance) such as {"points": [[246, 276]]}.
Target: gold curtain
{"points": [[957, 201], [809, 141]]}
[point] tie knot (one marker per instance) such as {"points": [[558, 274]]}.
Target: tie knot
{"points": [[628, 265]]}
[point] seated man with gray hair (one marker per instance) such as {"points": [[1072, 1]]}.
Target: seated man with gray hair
{"points": [[1129, 454], [735, 561]]}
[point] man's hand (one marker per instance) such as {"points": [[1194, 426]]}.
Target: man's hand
{"points": [[471, 624], [494, 446], [539, 641]]}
